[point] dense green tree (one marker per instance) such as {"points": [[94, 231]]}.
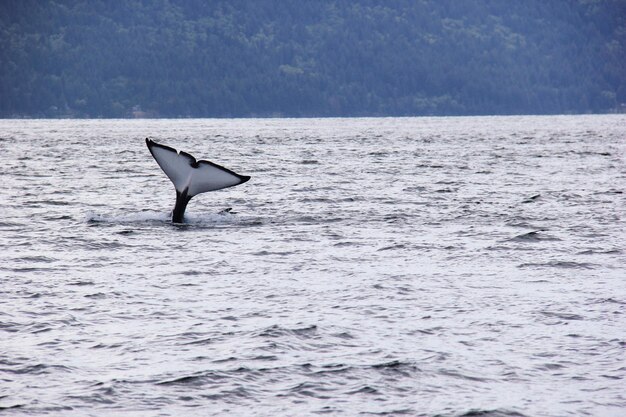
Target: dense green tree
{"points": [[197, 58]]}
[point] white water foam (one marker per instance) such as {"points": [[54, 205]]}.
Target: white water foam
{"points": [[156, 217]]}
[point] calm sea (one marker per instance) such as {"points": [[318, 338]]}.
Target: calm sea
{"points": [[390, 266]]}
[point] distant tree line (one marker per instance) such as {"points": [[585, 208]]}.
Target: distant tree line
{"points": [[220, 58]]}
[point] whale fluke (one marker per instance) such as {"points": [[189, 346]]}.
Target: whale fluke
{"points": [[191, 177]]}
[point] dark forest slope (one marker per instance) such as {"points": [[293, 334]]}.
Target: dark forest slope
{"points": [[310, 58]]}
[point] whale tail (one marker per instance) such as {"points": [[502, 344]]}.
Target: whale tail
{"points": [[191, 177]]}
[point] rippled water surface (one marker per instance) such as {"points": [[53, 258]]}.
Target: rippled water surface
{"points": [[415, 266]]}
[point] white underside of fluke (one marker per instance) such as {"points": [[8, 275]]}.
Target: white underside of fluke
{"points": [[194, 176]]}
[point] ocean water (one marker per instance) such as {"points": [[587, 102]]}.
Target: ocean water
{"points": [[390, 266]]}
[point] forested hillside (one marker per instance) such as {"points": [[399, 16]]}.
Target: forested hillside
{"points": [[198, 58]]}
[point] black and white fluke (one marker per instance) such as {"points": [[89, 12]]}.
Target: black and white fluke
{"points": [[191, 177]]}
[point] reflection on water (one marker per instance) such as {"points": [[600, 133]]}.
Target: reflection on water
{"points": [[418, 266]]}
